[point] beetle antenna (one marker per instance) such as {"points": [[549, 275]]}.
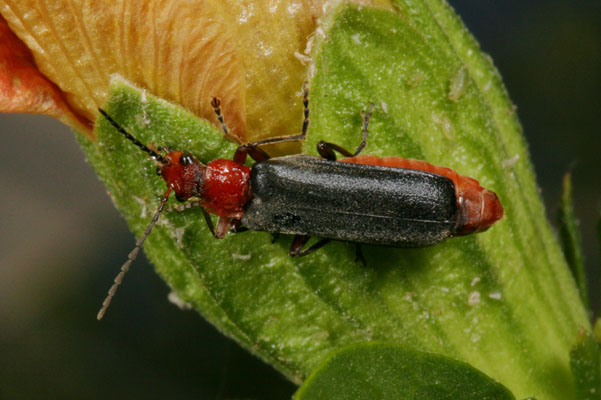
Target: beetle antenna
{"points": [[135, 141], [132, 256]]}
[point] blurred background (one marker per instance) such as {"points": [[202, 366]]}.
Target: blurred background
{"points": [[62, 241]]}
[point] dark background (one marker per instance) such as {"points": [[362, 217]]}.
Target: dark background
{"points": [[61, 240]]}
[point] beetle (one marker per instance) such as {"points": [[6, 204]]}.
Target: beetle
{"points": [[363, 199]]}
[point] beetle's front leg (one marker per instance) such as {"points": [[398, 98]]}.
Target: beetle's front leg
{"points": [[326, 150]]}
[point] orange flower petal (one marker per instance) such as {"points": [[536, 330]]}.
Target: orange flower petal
{"points": [[24, 89], [250, 53], [179, 50]]}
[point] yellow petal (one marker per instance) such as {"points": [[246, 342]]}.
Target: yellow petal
{"points": [[251, 54], [176, 49], [183, 51]]}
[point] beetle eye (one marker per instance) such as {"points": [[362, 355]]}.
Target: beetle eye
{"points": [[159, 172], [186, 159]]}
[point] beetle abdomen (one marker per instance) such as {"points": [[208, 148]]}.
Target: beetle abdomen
{"points": [[478, 208], [305, 195]]}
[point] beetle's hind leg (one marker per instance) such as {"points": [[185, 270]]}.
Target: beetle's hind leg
{"points": [[364, 132], [327, 149], [359, 254], [300, 241]]}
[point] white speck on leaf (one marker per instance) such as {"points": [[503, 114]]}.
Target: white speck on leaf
{"points": [[474, 298], [243, 257], [445, 125], [179, 234], [510, 162], [142, 204], [384, 107], [496, 295], [174, 299], [457, 84]]}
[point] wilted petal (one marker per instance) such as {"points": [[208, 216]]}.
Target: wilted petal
{"points": [[183, 51], [24, 89]]}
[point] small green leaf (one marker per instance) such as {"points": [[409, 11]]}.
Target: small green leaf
{"points": [[387, 371], [570, 237], [585, 363]]}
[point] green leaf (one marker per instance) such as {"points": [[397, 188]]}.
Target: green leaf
{"points": [[503, 301], [585, 363], [388, 371], [570, 237]]}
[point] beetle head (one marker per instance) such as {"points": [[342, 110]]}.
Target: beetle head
{"points": [[184, 173]]}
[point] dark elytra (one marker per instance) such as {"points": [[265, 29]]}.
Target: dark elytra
{"points": [[306, 195]]}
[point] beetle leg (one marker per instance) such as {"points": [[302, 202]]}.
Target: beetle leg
{"points": [[253, 150], [182, 207], [209, 222], [359, 254], [236, 226], [364, 131], [306, 120], [250, 149], [244, 149], [299, 241], [326, 150], [224, 225]]}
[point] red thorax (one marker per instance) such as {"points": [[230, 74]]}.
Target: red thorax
{"points": [[222, 185]]}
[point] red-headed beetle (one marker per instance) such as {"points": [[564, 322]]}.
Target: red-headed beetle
{"points": [[388, 201]]}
